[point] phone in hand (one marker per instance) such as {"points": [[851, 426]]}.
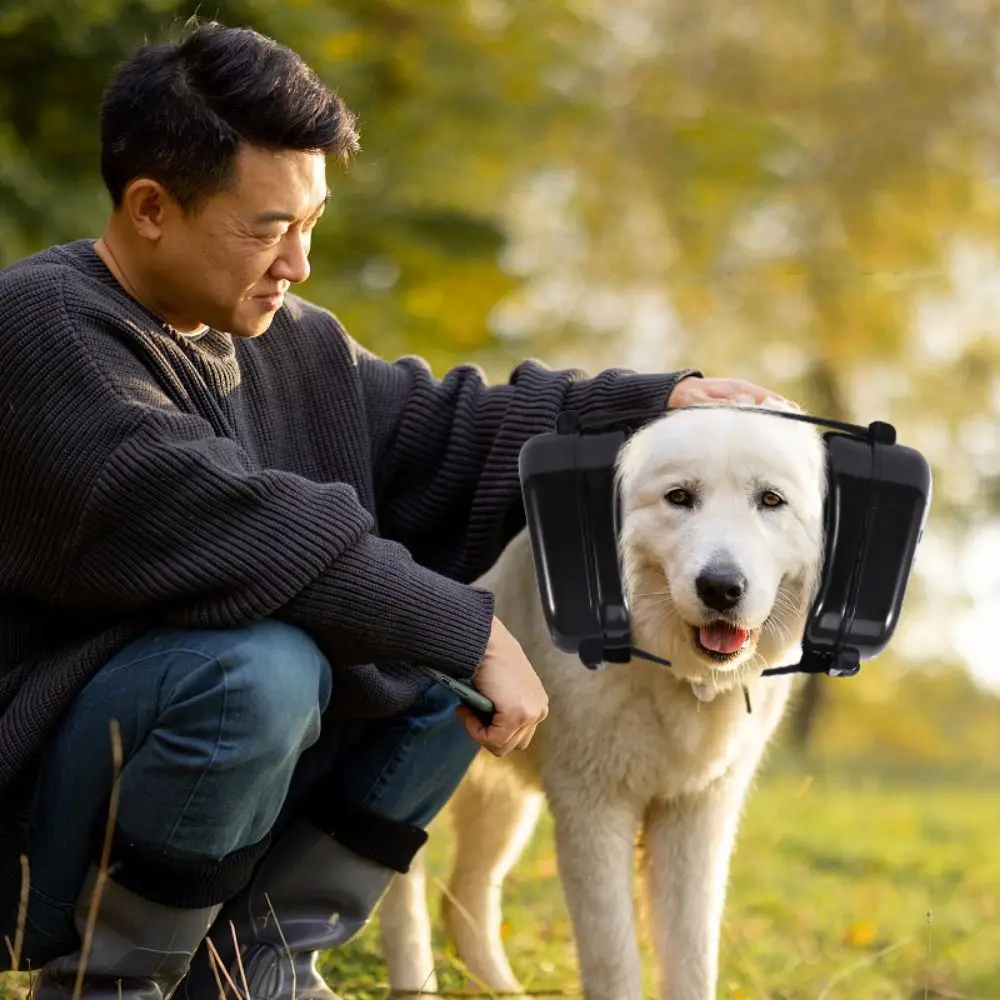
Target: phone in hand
{"points": [[468, 695]]}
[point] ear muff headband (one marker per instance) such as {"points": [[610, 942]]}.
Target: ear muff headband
{"points": [[579, 497]]}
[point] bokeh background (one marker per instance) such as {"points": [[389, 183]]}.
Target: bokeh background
{"points": [[803, 194]]}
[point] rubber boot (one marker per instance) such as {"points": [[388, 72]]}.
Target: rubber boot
{"points": [[139, 950], [310, 893]]}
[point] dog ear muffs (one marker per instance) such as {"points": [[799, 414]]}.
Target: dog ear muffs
{"points": [[876, 507]]}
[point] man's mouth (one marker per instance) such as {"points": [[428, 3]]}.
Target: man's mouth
{"points": [[720, 640]]}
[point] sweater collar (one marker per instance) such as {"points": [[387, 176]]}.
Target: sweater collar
{"points": [[85, 258]]}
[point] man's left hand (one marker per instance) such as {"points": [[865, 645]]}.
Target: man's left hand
{"points": [[703, 391]]}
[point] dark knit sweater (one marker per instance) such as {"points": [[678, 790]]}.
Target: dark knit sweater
{"points": [[148, 479]]}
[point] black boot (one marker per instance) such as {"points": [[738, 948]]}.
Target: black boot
{"points": [[309, 893], [139, 950]]}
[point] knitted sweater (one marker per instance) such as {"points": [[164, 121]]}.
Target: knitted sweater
{"points": [[151, 479]]}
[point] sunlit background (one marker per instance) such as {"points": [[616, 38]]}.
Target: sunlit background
{"points": [[803, 194]]}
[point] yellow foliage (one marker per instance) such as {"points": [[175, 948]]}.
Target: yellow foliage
{"points": [[341, 46], [859, 935]]}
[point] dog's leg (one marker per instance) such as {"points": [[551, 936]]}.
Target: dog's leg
{"points": [[405, 928], [494, 816], [687, 849], [595, 850]]}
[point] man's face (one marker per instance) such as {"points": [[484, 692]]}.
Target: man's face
{"points": [[229, 263]]}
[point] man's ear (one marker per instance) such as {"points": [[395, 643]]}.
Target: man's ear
{"points": [[147, 204]]}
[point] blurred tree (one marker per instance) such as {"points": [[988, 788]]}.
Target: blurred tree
{"points": [[454, 105], [807, 194], [826, 398], [53, 68]]}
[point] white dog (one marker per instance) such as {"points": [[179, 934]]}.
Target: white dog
{"points": [[722, 545]]}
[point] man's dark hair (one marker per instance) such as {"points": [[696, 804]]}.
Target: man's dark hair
{"points": [[178, 112]]}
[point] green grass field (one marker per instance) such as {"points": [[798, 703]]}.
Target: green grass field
{"points": [[845, 886]]}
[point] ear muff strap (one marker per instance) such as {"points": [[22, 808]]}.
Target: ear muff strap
{"points": [[570, 476]]}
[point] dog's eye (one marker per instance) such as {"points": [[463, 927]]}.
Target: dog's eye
{"points": [[771, 499], [679, 498]]}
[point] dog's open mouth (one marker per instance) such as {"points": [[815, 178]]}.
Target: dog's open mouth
{"points": [[721, 640]]}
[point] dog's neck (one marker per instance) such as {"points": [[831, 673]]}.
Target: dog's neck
{"points": [[704, 691], [705, 685]]}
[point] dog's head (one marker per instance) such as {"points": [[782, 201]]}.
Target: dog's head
{"points": [[722, 539]]}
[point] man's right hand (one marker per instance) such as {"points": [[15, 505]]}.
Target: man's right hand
{"points": [[507, 678]]}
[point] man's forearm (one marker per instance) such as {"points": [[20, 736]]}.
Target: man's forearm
{"points": [[448, 484]]}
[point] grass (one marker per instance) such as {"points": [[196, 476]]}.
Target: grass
{"points": [[846, 885]]}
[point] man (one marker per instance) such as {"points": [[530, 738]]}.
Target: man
{"points": [[229, 535]]}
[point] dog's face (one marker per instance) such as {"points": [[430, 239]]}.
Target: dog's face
{"points": [[722, 539]]}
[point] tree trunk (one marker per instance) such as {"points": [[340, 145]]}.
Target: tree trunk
{"points": [[827, 401]]}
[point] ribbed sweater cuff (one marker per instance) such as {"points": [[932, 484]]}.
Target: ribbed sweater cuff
{"points": [[619, 391], [385, 841], [397, 610]]}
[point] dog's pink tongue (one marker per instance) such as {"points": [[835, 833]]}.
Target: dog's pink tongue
{"points": [[722, 638]]}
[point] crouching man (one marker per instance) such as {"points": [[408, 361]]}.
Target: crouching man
{"points": [[230, 535]]}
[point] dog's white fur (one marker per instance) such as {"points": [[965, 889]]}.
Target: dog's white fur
{"points": [[638, 748]]}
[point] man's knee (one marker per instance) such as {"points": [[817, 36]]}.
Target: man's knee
{"points": [[435, 732], [270, 682], [435, 710], [412, 763]]}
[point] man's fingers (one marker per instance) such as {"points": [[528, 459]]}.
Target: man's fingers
{"points": [[472, 724], [506, 676], [504, 740], [695, 392], [499, 744], [500, 739], [737, 389], [761, 395]]}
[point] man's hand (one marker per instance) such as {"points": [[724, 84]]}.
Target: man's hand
{"points": [[507, 678], [701, 391]]}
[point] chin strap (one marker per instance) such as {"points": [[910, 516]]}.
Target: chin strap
{"points": [[643, 655], [660, 662]]}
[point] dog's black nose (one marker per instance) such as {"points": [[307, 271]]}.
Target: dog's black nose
{"points": [[721, 587]]}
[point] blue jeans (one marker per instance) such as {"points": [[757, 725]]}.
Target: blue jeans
{"points": [[222, 736]]}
